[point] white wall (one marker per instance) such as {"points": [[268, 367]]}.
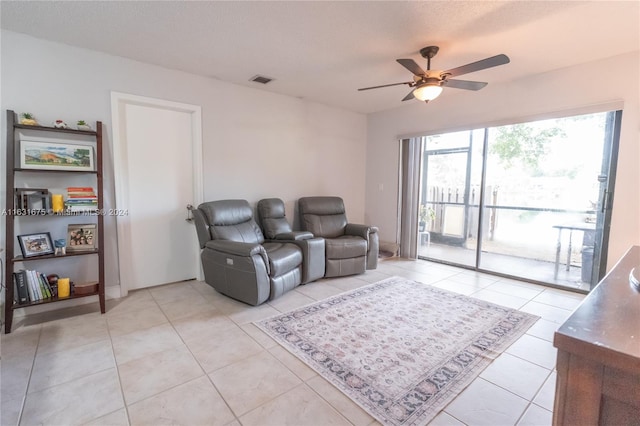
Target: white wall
{"points": [[613, 79], [256, 144]]}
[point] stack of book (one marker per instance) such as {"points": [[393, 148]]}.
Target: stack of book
{"points": [[81, 199], [31, 286]]}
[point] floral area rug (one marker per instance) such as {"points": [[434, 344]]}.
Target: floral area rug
{"points": [[400, 349]]}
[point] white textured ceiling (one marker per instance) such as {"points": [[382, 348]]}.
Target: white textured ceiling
{"points": [[323, 51]]}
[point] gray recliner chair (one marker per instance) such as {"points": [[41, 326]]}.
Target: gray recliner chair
{"points": [[349, 248], [237, 261], [272, 218]]}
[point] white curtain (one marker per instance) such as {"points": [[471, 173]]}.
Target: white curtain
{"points": [[410, 150]]}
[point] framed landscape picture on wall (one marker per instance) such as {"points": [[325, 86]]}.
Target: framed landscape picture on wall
{"points": [[55, 156]]}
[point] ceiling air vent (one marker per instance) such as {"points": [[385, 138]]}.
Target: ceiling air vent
{"points": [[260, 79]]}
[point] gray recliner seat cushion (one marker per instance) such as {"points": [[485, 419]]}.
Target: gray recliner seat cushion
{"points": [[283, 257]]}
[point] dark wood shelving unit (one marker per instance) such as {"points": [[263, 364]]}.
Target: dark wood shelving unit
{"points": [[54, 129], [10, 219], [18, 169], [53, 256], [54, 299]]}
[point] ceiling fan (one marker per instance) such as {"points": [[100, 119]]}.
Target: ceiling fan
{"points": [[429, 84]]}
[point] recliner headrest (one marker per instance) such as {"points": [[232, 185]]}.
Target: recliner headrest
{"points": [[272, 217], [321, 205], [271, 208], [226, 212]]}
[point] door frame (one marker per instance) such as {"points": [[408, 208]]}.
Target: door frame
{"points": [[119, 101], [430, 153], [605, 203]]}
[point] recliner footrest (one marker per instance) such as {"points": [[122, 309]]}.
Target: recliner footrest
{"points": [[346, 247]]}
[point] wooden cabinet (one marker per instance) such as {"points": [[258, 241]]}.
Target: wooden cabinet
{"points": [[599, 354], [52, 222]]}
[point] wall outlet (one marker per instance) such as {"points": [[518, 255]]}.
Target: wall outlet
{"points": [[380, 187], [229, 261]]}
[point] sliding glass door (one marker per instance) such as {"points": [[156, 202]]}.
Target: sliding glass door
{"points": [[530, 200], [451, 176]]}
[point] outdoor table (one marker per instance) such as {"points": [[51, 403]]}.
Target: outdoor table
{"points": [[571, 227]]}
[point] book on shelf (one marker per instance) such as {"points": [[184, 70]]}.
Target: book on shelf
{"points": [[73, 195], [34, 295], [44, 285], [83, 208], [88, 191], [28, 285], [81, 202], [52, 292], [36, 283], [79, 189], [74, 202], [36, 278], [21, 287], [31, 286], [81, 199]]}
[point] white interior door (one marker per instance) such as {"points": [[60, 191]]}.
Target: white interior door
{"points": [[157, 168]]}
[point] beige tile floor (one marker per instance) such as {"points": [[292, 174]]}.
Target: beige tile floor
{"points": [[184, 354]]}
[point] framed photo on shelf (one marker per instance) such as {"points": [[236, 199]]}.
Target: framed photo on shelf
{"points": [[38, 244], [82, 237], [55, 156]]}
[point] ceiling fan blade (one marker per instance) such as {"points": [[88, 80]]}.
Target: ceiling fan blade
{"points": [[411, 65], [465, 84], [408, 97], [493, 61], [387, 85]]}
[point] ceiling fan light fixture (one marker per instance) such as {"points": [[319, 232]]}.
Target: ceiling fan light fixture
{"points": [[428, 84], [427, 92]]}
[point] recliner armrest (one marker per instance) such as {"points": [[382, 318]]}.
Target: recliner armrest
{"points": [[236, 248], [360, 230], [313, 266], [370, 234], [240, 249], [313, 257], [294, 236]]}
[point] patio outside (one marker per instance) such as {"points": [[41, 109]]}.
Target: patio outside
{"points": [[542, 196]]}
